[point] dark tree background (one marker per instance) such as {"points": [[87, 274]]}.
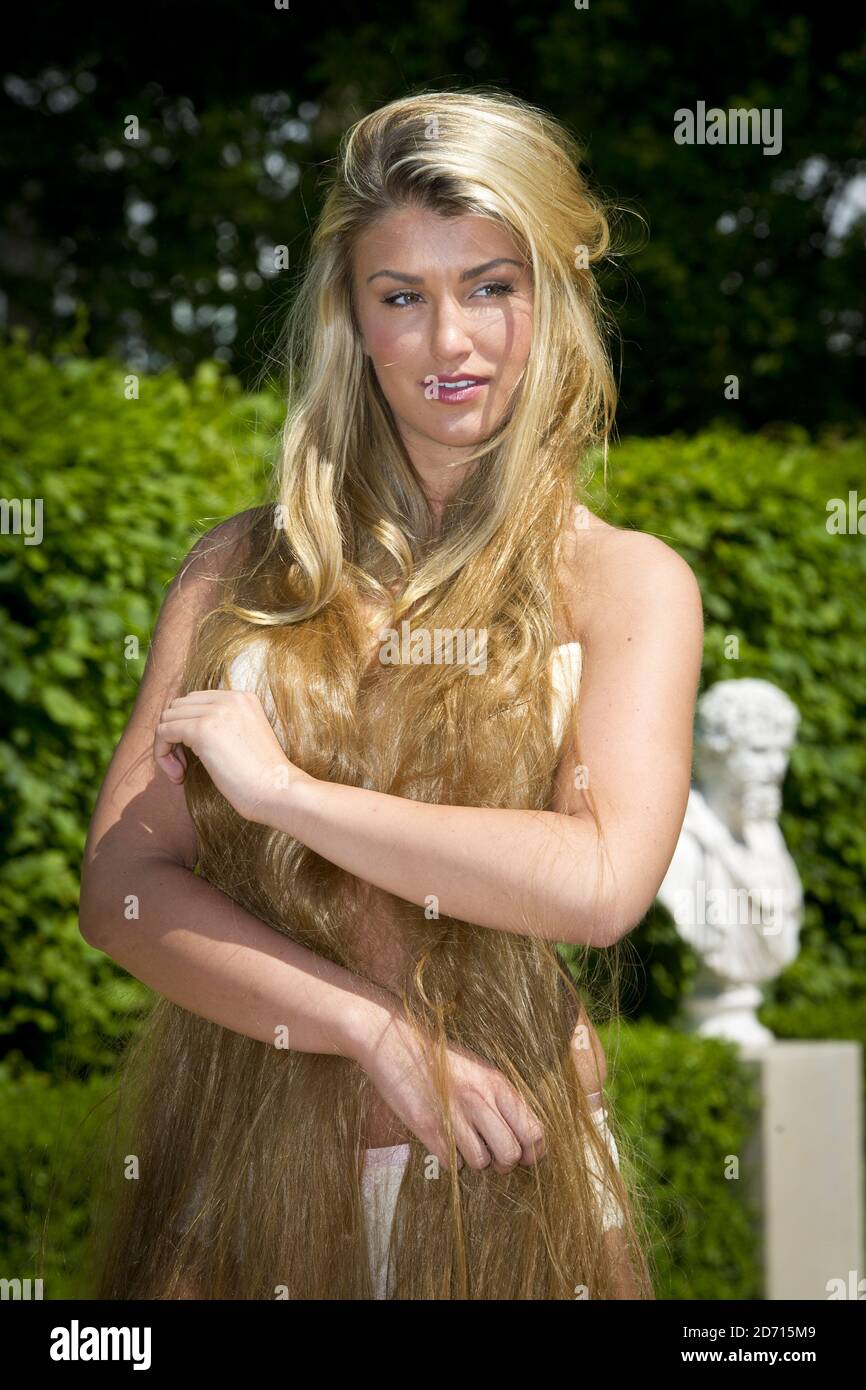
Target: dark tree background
{"points": [[162, 246]]}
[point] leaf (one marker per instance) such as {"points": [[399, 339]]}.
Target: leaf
{"points": [[64, 709]]}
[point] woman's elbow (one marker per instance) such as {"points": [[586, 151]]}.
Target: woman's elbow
{"points": [[94, 915], [630, 911], [605, 922], [90, 927], [595, 924]]}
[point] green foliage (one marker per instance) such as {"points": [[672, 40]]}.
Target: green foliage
{"points": [[747, 264], [687, 1107], [126, 486], [50, 1152]]}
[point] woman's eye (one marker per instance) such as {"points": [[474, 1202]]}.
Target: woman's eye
{"points": [[392, 299], [497, 286]]}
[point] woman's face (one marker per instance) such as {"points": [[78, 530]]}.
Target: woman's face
{"points": [[442, 299]]}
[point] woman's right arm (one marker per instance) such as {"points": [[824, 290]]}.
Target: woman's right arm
{"points": [[142, 903]]}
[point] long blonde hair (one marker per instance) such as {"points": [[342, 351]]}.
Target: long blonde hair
{"points": [[274, 1140]]}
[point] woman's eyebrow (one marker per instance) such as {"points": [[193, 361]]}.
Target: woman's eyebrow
{"points": [[464, 275]]}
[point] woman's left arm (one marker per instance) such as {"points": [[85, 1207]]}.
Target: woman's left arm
{"points": [[642, 661], [544, 871]]}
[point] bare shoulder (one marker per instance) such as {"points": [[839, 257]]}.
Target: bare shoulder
{"points": [[218, 550], [613, 576]]}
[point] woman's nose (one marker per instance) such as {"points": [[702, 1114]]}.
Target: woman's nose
{"points": [[450, 333]]}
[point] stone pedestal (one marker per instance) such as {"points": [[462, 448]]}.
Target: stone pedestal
{"points": [[807, 1161]]}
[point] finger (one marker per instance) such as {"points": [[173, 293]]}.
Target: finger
{"points": [[191, 711], [172, 766], [169, 754], [442, 1154], [472, 1144], [471, 1150], [213, 697], [174, 731], [163, 747], [526, 1127], [435, 1142], [499, 1137]]}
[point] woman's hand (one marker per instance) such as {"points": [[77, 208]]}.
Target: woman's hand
{"points": [[492, 1124], [230, 733]]}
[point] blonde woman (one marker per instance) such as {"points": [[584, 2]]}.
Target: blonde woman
{"points": [[402, 730]]}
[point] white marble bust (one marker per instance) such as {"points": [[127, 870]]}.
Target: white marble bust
{"points": [[732, 887]]}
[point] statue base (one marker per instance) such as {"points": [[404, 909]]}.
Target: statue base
{"points": [[728, 1012], [806, 1161]]}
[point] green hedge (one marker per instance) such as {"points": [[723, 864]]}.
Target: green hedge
{"points": [[49, 1151], [126, 486], [688, 1106]]}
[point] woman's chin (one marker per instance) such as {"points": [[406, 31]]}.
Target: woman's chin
{"points": [[464, 433]]}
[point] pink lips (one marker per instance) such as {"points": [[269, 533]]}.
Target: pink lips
{"points": [[436, 388]]}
